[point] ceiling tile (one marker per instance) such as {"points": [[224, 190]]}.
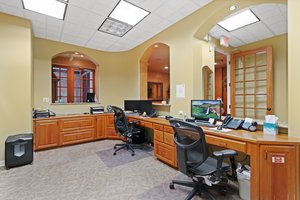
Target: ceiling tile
{"points": [[53, 35], [87, 33], [76, 15], [12, 3], [34, 16], [83, 3], [12, 10], [71, 29], [151, 5], [202, 3], [104, 8], [93, 21]]}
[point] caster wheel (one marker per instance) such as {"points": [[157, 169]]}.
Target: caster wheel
{"points": [[115, 147], [223, 192], [132, 154], [171, 186], [115, 153]]}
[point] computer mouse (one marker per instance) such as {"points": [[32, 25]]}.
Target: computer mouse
{"points": [[219, 128]]}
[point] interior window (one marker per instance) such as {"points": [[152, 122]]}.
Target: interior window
{"points": [[71, 84]]}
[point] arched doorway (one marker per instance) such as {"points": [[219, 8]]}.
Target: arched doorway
{"points": [[155, 73]]}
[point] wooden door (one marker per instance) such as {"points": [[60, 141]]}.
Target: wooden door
{"points": [[251, 83], [46, 134], [277, 172]]}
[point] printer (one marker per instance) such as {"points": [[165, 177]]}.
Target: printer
{"points": [[96, 110]]}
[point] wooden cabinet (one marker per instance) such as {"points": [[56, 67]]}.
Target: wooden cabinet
{"points": [[45, 134], [278, 172], [100, 127], [110, 131], [77, 129], [164, 148]]}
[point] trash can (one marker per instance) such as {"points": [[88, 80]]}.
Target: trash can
{"points": [[243, 176], [18, 150]]}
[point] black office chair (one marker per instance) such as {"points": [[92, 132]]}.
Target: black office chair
{"points": [[133, 134], [193, 160]]}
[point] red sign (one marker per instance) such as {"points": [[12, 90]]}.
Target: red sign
{"points": [[277, 159]]}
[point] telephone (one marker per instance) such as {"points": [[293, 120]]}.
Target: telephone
{"points": [[246, 124], [42, 113]]}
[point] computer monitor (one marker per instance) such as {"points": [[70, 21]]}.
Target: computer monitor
{"points": [[205, 109], [146, 106], [131, 105], [90, 97], [140, 106]]}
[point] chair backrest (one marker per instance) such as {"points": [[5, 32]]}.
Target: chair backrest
{"points": [[121, 123], [192, 149]]}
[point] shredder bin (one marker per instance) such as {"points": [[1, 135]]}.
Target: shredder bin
{"points": [[18, 150]]}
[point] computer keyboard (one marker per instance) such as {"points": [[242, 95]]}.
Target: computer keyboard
{"points": [[207, 124]]}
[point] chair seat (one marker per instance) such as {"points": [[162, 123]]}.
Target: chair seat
{"points": [[208, 167]]}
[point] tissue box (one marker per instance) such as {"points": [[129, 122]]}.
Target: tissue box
{"points": [[270, 128]]}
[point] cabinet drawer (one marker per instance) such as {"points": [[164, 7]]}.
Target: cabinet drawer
{"points": [[158, 135], [226, 143], [168, 129], [75, 123], [169, 138], [110, 131], [158, 127], [146, 124], [76, 136], [110, 121], [165, 153]]}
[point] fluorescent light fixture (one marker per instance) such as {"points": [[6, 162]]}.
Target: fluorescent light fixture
{"points": [[237, 21], [51, 8], [128, 13], [114, 27]]}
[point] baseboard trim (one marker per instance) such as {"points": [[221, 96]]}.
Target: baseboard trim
{"points": [[2, 163]]}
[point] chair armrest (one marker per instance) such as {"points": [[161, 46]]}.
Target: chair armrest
{"points": [[225, 153], [220, 155]]}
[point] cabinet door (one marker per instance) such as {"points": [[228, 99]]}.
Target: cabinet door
{"points": [[100, 122], [277, 172], [46, 134]]}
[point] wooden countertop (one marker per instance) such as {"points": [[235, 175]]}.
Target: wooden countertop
{"points": [[257, 137], [60, 116]]}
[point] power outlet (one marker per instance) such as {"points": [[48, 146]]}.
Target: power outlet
{"points": [[46, 99], [180, 112]]}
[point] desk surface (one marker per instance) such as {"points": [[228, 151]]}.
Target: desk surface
{"points": [[257, 137]]}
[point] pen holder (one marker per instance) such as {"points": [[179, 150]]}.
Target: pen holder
{"points": [[270, 128]]}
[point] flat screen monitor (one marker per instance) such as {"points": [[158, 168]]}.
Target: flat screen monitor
{"points": [[90, 97], [205, 109], [138, 105]]}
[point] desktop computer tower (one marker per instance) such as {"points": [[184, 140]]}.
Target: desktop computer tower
{"points": [[18, 150]]}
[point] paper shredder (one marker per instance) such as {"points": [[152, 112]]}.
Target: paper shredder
{"points": [[18, 150]]}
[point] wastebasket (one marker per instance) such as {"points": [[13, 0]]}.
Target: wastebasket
{"points": [[243, 176], [18, 150]]}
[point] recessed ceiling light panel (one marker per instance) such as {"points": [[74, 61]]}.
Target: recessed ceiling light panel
{"points": [[240, 20], [128, 13], [51, 8], [114, 27]]}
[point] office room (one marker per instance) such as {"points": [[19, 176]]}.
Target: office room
{"points": [[70, 155]]}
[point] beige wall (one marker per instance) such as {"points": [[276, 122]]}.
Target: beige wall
{"points": [[118, 76], [294, 69], [280, 72], [15, 78]]}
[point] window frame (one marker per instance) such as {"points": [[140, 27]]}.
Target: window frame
{"points": [[71, 82]]}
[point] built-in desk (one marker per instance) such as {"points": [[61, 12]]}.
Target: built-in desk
{"points": [[274, 159]]}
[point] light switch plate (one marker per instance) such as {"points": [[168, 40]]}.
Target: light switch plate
{"points": [[46, 99]]}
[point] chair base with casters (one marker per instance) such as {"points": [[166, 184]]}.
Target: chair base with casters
{"points": [[210, 176], [128, 146], [199, 186], [136, 141]]}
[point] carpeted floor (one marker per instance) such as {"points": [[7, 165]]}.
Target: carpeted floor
{"points": [[90, 172]]}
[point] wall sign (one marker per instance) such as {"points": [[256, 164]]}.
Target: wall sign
{"points": [[277, 159]]}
